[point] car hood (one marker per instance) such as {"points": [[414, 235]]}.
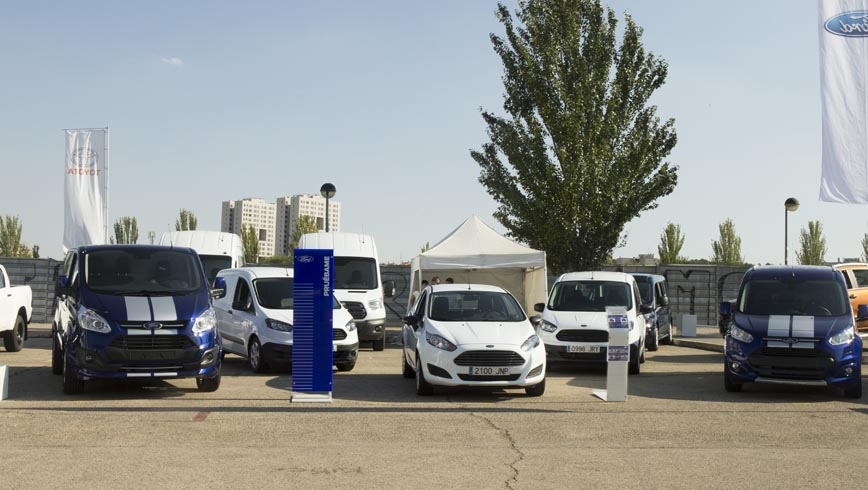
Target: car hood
{"points": [[147, 308], [578, 319], [792, 325], [466, 333]]}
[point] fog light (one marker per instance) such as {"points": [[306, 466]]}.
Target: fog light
{"points": [[208, 358], [735, 365], [848, 370]]}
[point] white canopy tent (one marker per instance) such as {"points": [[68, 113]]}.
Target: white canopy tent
{"points": [[475, 253]]}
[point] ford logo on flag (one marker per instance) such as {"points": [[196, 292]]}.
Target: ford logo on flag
{"points": [[305, 259], [152, 325], [848, 24]]}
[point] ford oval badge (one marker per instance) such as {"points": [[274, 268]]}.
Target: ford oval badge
{"points": [[848, 24], [152, 325]]}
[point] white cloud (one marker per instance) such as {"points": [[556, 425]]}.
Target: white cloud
{"points": [[173, 61]]}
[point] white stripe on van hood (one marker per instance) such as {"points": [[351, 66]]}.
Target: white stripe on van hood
{"points": [[145, 309]]}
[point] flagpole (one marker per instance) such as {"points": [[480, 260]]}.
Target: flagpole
{"points": [[106, 203]]}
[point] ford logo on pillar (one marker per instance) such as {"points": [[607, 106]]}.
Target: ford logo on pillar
{"points": [[848, 24]]}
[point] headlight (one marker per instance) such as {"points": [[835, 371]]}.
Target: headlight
{"points": [[439, 342], [739, 334], [548, 326], [843, 337], [207, 321], [530, 344], [91, 320], [278, 325], [350, 326], [375, 304]]}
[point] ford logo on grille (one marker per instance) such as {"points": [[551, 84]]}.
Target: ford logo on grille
{"points": [[848, 24], [791, 340], [152, 325]]}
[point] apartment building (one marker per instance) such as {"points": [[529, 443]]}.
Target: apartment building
{"points": [[290, 208], [254, 211]]}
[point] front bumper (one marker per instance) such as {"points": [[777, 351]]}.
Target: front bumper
{"points": [[282, 353], [462, 368], [371, 329]]}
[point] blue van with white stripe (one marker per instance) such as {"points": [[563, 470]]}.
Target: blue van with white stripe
{"points": [[134, 311], [792, 325]]}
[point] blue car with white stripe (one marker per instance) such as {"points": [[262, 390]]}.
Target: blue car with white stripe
{"points": [[792, 325], [134, 311]]}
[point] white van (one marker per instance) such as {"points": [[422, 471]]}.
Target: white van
{"points": [[358, 285], [216, 249]]}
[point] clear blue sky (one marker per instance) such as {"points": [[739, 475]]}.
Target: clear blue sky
{"points": [[217, 100]]}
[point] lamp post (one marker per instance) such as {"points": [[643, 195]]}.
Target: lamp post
{"points": [[791, 204], [328, 191]]}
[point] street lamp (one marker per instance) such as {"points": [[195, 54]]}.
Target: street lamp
{"points": [[328, 191], [791, 204]]}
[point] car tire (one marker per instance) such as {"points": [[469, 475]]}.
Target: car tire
{"points": [[854, 391], [254, 356], [13, 340], [733, 386], [380, 344], [406, 368], [654, 340], [56, 355], [346, 366], [423, 387], [670, 337], [635, 367], [537, 389], [207, 385], [71, 384]]}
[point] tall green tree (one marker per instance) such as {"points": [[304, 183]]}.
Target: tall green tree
{"points": [[812, 250], [126, 230], [250, 243], [10, 238], [186, 221], [727, 250], [671, 242], [303, 225], [865, 247], [581, 152]]}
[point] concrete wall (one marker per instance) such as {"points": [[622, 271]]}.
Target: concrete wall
{"points": [[693, 289]]}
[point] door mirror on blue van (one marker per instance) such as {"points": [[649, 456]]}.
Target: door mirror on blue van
{"points": [[725, 308], [862, 312], [219, 289]]}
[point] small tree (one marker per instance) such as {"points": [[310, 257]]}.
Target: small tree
{"points": [[812, 245], [865, 247], [727, 251], [671, 242], [186, 221], [250, 243], [425, 247], [303, 225], [126, 230], [10, 238]]}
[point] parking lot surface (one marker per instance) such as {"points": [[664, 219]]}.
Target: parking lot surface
{"points": [[677, 429]]}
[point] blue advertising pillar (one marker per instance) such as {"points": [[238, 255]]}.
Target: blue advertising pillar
{"points": [[312, 344]]}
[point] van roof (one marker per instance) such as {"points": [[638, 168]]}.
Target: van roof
{"points": [[597, 276], [343, 243], [204, 242], [258, 272]]}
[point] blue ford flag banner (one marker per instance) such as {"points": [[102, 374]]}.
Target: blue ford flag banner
{"points": [[312, 322], [843, 27]]}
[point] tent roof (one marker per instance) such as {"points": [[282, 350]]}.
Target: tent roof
{"points": [[474, 244]]}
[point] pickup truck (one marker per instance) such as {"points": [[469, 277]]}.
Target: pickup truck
{"points": [[15, 312]]}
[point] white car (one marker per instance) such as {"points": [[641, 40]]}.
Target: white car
{"points": [[254, 318], [575, 325], [471, 335]]}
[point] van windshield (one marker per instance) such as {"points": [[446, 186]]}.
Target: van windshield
{"points": [[589, 295], [214, 264], [142, 271], [793, 297], [355, 273], [459, 306]]}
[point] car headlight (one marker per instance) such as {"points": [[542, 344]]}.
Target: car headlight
{"points": [[740, 334], [530, 344], [548, 326], [439, 342], [91, 320], [350, 326], [375, 304], [843, 337], [207, 321], [278, 325]]}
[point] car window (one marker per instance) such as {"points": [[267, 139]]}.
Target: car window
{"points": [[459, 306], [420, 305], [274, 293], [243, 299], [646, 292], [794, 297], [861, 276], [847, 279]]}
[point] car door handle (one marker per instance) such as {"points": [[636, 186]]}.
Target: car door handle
{"points": [[852, 296]]}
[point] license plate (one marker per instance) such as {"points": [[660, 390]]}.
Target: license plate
{"points": [[584, 349], [489, 371]]}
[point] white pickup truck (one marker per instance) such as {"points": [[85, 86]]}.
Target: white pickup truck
{"points": [[15, 312]]}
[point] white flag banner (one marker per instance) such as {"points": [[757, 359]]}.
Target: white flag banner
{"points": [[85, 182], [843, 77]]}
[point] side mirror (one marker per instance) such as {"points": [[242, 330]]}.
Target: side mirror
{"points": [[725, 308], [535, 320], [646, 309], [411, 319], [389, 289], [219, 289], [664, 300], [62, 286], [862, 312], [539, 307]]}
